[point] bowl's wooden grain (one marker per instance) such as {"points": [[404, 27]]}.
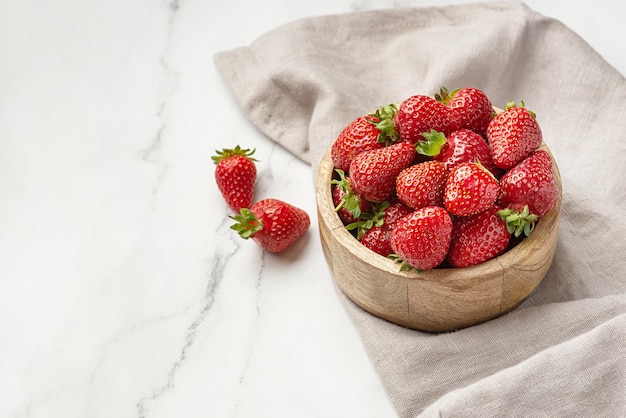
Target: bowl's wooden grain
{"points": [[437, 300]]}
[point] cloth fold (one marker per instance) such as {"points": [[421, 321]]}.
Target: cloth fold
{"points": [[562, 351]]}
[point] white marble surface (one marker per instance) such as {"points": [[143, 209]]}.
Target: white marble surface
{"points": [[123, 292]]}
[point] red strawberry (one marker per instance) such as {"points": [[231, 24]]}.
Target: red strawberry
{"points": [[360, 135], [235, 175], [460, 146], [422, 238], [373, 173], [394, 212], [273, 224], [365, 133], [419, 114], [378, 237], [513, 135], [378, 240], [528, 189], [470, 189], [470, 107], [422, 184], [349, 206], [478, 238]]}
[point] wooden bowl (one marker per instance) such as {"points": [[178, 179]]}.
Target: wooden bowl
{"points": [[441, 299]]}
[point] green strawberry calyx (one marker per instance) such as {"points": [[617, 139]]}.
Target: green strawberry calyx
{"points": [[444, 96], [350, 201], [368, 221], [518, 222], [231, 152], [512, 104], [386, 124], [404, 266], [246, 223], [432, 144]]}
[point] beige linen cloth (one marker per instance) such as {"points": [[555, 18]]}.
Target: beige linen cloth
{"points": [[563, 352]]}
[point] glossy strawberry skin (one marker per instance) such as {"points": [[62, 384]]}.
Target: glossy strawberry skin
{"points": [[273, 224], [478, 238], [472, 109], [464, 146], [378, 240], [422, 184], [359, 136], [470, 189], [418, 114], [373, 173], [530, 183], [395, 212], [422, 238], [235, 175], [513, 135]]}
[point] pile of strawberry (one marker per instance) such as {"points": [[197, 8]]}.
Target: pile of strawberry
{"points": [[271, 223], [444, 180]]}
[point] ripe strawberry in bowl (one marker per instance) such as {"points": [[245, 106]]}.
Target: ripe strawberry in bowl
{"points": [[470, 108], [513, 135], [461, 146], [528, 191], [478, 238], [365, 133]]}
